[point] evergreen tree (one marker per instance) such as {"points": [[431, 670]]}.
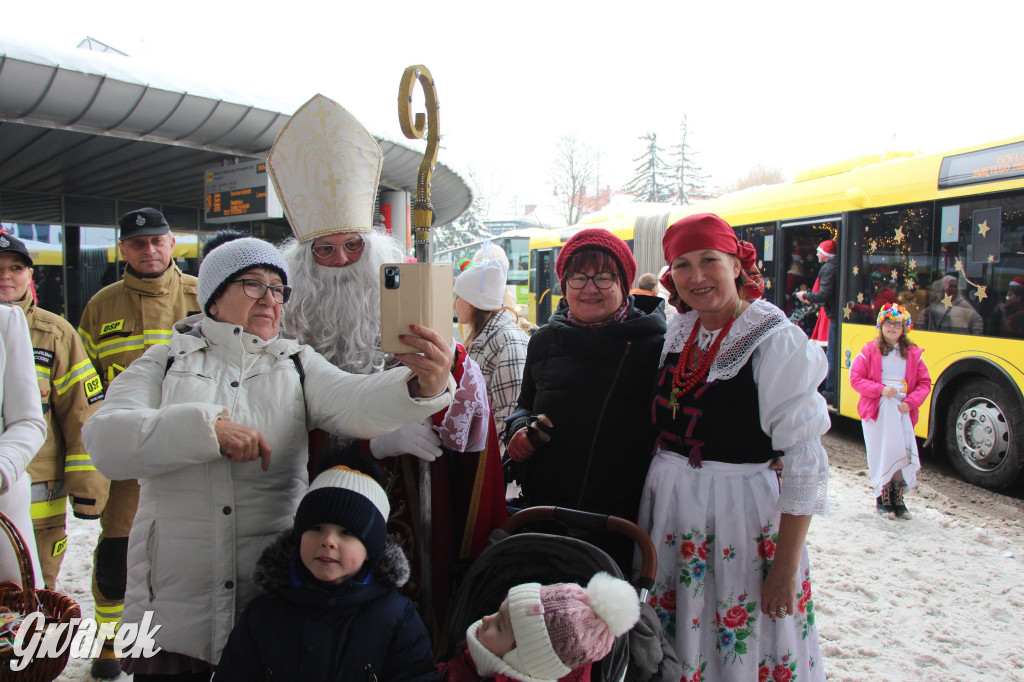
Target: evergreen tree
{"points": [[468, 227], [690, 178], [652, 182]]}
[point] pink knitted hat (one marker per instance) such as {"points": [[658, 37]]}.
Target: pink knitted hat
{"points": [[560, 627]]}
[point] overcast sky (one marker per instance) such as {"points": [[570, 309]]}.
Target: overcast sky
{"points": [[788, 84]]}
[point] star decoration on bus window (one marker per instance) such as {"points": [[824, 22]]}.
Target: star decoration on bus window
{"points": [[947, 301], [873, 246], [958, 265], [767, 284], [983, 228], [847, 310], [899, 235], [950, 230], [981, 291], [856, 269], [912, 264], [991, 258], [860, 297]]}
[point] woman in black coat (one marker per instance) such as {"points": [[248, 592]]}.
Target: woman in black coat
{"points": [[590, 373]]}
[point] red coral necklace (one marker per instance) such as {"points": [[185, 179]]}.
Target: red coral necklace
{"points": [[690, 371]]}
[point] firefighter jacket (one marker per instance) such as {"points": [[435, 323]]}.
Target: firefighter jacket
{"points": [[70, 392], [126, 318]]}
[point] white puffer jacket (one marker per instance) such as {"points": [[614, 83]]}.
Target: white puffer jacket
{"points": [[203, 520], [22, 432]]}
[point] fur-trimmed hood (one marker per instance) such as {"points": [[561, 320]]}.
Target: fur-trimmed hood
{"points": [[275, 570]]}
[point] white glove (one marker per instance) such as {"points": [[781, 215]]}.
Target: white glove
{"points": [[419, 440]]}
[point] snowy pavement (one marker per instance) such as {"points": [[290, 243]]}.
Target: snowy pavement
{"points": [[937, 598]]}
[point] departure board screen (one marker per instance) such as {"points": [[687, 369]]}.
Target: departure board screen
{"points": [[237, 192]]}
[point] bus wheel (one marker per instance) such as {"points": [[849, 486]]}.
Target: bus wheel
{"points": [[979, 435]]}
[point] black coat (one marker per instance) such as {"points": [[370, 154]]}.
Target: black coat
{"points": [[300, 630], [827, 286], [596, 386]]}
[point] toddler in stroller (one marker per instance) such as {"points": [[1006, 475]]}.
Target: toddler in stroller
{"points": [[498, 575], [547, 632]]}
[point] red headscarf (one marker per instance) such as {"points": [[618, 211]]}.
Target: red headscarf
{"points": [[708, 231]]}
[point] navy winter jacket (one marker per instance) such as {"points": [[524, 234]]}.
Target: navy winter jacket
{"points": [[301, 630]]}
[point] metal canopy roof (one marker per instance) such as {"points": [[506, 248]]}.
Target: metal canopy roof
{"points": [[93, 124]]}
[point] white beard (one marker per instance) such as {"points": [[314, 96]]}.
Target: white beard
{"points": [[337, 310]]}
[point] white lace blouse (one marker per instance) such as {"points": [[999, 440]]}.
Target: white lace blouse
{"points": [[787, 371]]}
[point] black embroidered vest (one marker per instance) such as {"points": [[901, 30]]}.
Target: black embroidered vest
{"points": [[717, 421]]}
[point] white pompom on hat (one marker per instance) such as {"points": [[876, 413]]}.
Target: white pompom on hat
{"points": [[482, 285]]}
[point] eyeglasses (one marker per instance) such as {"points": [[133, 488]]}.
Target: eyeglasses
{"points": [[892, 323], [602, 280], [253, 288], [327, 250]]}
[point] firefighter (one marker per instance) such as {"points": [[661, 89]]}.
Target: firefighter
{"points": [[70, 392], [118, 325]]}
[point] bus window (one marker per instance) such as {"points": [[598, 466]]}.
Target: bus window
{"points": [[763, 239], [890, 262], [989, 243]]}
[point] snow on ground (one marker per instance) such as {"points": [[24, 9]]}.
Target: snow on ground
{"points": [[937, 598]]}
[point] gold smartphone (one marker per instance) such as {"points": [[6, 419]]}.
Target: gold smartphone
{"points": [[414, 293]]}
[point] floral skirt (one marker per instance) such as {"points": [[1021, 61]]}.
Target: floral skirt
{"points": [[715, 529]]}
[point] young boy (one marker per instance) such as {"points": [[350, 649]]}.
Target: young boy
{"points": [[546, 633], [330, 611]]}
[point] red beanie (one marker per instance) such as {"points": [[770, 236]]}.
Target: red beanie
{"points": [[598, 238]]}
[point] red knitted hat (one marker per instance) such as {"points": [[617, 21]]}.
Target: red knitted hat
{"points": [[598, 238]]}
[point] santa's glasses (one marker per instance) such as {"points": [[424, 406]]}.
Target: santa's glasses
{"points": [[327, 250]]}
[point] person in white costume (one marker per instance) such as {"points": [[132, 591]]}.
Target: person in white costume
{"points": [[892, 386], [22, 433], [736, 403]]}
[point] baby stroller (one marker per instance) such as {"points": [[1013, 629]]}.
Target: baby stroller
{"points": [[511, 559]]}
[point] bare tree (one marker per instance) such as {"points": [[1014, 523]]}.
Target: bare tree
{"points": [[575, 167], [760, 174]]}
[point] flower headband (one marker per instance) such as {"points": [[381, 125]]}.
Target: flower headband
{"points": [[894, 312]]}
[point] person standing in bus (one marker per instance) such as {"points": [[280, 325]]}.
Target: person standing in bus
{"points": [[893, 382], [494, 340], [1012, 309], [735, 398], [70, 392], [118, 325], [825, 290]]}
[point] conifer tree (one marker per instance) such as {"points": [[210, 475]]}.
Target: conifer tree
{"points": [[690, 178], [652, 182]]}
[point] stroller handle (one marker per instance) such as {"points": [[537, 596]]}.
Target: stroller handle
{"points": [[584, 520]]}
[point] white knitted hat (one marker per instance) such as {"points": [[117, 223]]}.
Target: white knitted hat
{"points": [[231, 258], [482, 285]]}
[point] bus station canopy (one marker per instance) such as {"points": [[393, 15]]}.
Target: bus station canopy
{"points": [[77, 122]]}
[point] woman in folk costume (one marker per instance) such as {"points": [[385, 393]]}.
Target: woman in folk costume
{"points": [[335, 260], [736, 390], [893, 382]]}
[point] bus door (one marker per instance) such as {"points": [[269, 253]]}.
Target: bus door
{"points": [[798, 260], [545, 284]]}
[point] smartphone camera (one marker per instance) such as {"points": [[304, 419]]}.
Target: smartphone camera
{"points": [[391, 277]]}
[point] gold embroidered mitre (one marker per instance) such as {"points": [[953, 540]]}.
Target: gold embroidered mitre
{"points": [[325, 167]]}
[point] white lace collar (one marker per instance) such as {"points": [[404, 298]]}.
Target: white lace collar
{"points": [[755, 324]]}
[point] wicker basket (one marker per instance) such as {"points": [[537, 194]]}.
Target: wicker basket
{"points": [[56, 607]]}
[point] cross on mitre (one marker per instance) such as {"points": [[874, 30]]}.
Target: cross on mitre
{"points": [[325, 167]]}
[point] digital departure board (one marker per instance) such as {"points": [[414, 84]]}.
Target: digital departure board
{"points": [[985, 165], [240, 192]]}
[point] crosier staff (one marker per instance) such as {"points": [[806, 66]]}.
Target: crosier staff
{"points": [[424, 126]]}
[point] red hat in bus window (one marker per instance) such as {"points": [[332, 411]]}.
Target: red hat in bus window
{"points": [[1017, 282], [828, 248], [602, 240]]}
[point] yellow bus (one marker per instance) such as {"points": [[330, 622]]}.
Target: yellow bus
{"points": [[944, 235]]}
